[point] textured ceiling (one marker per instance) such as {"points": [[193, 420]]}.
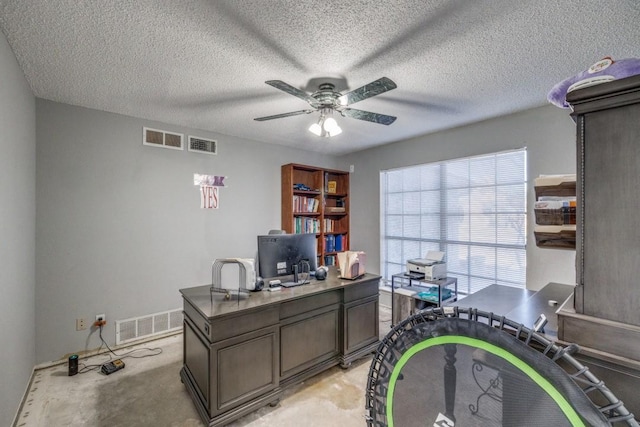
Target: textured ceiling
{"points": [[203, 64]]}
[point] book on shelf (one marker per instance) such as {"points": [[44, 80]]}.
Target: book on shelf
{"points": [[336, 209], [330, 243], [312, 205], [332, 187]]}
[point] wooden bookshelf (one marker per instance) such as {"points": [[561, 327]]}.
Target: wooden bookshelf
{"points": [[316, 200]]}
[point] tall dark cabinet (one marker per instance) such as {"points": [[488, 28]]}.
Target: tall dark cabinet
{"points": [[605, 317], [608, 252]]}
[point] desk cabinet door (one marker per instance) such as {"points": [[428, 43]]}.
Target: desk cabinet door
{"points": [[243, 368], [308, 340], [361, 324]]}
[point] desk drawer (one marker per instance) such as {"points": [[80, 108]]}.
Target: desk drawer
{"points": [[231, 326], [307, 304], [361, 290]]}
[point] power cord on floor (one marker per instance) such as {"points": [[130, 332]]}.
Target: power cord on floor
{"points": [[89, 368]]}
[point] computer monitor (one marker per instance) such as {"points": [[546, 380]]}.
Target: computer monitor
{"points": [[278, 253]]}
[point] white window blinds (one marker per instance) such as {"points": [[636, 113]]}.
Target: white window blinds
{"points": [[472, 209]]}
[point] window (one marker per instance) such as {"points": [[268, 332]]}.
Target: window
{"points": [[472, 209]]}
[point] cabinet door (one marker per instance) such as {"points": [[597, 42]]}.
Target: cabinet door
{"points": [[361, 324], [242, 368], [309, 339], [610, 239]]}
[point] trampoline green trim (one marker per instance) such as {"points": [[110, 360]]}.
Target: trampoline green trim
{"points": [[562, 403]]}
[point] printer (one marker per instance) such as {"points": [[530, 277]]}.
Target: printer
{"points": [[432, 266]]}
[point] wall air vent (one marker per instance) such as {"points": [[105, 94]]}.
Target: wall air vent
{"points": [[138, 328], [161, 138], [203, 145]]}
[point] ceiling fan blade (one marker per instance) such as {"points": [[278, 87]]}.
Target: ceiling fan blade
{"points": [[374, 88], [285, 87], [279, 116], [383, 119]]}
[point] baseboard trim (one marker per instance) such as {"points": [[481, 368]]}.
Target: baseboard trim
{"points": [[24, 398]]}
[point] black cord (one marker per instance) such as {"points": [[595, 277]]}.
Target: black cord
{"points": [[90, 368], [156, 351]]}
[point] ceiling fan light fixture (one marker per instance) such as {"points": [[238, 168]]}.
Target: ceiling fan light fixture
{"points": [[316, 129], [331, 127], [326, 127]]}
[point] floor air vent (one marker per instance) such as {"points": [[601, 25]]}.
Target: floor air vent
{"points": [[203, 145], [161, 138], [138, 328]]}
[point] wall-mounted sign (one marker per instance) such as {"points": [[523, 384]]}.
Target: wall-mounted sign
{"points": [[209, 189], [212, 180], [209, 197]]}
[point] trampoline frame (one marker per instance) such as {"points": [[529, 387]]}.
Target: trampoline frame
{"points": [[614, 411]]}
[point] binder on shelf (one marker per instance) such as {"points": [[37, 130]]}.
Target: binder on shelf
{"points": [[330, 243], [338, 243]]}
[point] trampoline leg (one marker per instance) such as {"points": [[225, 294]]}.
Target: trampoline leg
{"points": [[450, 376]]}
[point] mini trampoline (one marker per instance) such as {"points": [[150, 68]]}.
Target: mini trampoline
{"points": [[455, 366]]}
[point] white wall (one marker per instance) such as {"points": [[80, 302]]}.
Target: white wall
{"points": [[17, 232], [549, 135], [119, 224]]}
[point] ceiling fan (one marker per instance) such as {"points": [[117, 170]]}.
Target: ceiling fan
{"points": [[327, 100]]}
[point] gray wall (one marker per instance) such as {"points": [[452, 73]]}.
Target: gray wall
{"points": [[17, 231], [549, 135], [120, 229]]}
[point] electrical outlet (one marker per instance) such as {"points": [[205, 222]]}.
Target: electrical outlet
{"points": [[101, 318], [81, 324]]}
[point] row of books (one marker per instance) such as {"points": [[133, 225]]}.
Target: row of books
{"points": [[330, 225], [305, 204], [329, 260], [335, 243], [306, 225]]}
